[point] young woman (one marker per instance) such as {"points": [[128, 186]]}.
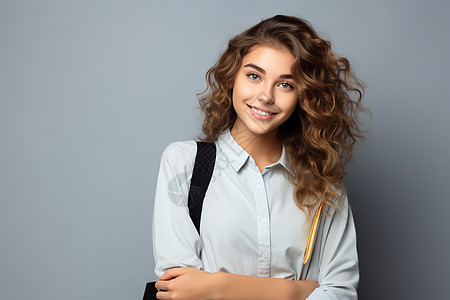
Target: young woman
{"points": [[281, 109]]}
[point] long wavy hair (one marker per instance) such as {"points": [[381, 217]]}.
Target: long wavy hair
{"points": [[320, 135]]}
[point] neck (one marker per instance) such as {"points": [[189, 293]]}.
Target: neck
{"points": [[264, 148]]}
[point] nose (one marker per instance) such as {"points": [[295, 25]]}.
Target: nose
{"points": [[266, 95]]}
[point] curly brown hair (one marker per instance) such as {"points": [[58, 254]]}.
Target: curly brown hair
{"points": [[320, 135]]}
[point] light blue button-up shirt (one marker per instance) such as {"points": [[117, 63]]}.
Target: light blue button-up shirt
{"points": [[250, 224]]}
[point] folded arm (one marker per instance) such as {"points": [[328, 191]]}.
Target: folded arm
{"points": [[190, 283]]}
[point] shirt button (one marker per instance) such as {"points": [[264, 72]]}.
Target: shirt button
{"points": [[263, 221], [265, 256], [258, 186]]}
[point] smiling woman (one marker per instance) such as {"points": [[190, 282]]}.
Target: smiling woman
{"points": [[278, 110]]}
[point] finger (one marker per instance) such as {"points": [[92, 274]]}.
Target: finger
{"points": [[162, 285], [162, 295], [172, 273]]}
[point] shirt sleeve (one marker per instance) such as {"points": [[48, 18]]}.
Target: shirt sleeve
{"points": [[337, 257], [176, 242]]}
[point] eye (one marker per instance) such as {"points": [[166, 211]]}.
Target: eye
{"points": [[286, 85], [253, 76]]}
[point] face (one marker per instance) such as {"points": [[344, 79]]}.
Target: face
{"points": [[263, 92]]}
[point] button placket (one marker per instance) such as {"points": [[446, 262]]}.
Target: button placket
{"points": [[263, 226]]}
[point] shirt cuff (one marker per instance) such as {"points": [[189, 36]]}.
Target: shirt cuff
{"points": [[320, 294]]}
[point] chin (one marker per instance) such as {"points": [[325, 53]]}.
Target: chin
{"points": [[256, 130]]}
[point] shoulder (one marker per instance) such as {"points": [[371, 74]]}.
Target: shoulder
{"points": [[178, 148], [342, 205], [180, 154]]}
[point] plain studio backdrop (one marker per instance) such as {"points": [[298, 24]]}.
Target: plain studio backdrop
{"points": [[91, 92]]}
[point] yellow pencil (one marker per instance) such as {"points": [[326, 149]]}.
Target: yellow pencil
{"points": [[312, 234]]}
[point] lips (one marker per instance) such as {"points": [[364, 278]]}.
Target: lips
{"points": [[259, 114], [263, 112]]}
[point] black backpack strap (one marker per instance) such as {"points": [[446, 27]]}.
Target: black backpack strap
{"points": [[201, 177]]}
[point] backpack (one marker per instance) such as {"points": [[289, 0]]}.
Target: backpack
{"points": [[201, 177]]}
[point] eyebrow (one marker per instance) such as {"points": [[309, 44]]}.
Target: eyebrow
{"points": [[259, 69]]}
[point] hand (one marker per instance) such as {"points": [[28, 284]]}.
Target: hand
{"points": [[185, 284]]}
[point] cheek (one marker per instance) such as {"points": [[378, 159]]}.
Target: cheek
{"points": [[290, 105], [242, 91]]}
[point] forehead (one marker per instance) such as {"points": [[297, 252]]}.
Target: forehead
{"points": [[272, 60]]}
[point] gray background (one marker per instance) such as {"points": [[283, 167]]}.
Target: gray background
{"points": [[92, 91]]}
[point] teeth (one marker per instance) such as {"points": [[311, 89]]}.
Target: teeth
{"points": [[260, 112]]}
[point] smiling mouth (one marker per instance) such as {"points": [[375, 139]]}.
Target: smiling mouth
{"points": [[260, 112]]}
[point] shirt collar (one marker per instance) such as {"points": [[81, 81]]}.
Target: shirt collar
{"points": [[237, 156], [284, 161]]}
